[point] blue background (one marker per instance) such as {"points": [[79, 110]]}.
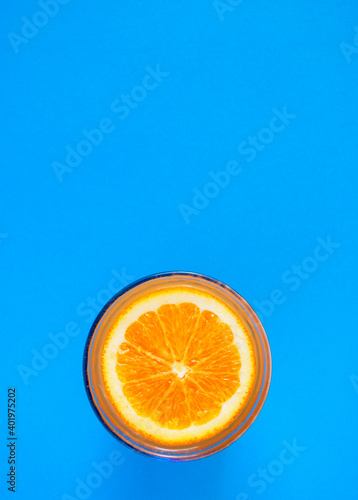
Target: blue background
{"points": [[120, 210]]}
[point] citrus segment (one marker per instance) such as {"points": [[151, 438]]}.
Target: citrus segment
{"points": [[147, 334], [180, 323], [134, 364]]}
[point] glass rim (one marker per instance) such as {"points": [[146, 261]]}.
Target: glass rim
{"points": [[256, 398]]}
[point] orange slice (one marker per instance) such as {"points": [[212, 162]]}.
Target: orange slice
{"points": [[178, 365]]}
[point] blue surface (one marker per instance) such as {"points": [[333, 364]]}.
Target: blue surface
{"points": [[133, 206]]}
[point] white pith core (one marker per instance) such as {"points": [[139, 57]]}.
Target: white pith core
{"points": [[180, 369]]}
